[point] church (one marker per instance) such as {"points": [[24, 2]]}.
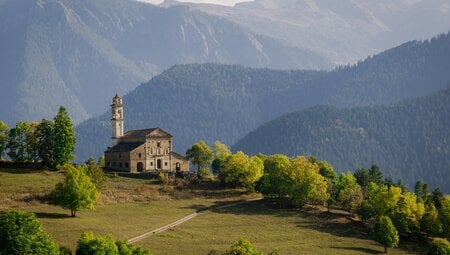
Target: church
{"points": [[140, 150]]}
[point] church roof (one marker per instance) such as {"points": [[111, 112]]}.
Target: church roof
{"points": [[178, 155], [146, 132], [125, 147]]}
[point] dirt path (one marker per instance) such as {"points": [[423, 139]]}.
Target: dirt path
{"points": [[183, 220]]}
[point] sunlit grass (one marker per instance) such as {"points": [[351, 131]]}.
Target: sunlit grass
{"points": [[286, 231]]}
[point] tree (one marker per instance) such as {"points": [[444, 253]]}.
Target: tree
{"points": [[96, 174], [242, 247], [430, 222], [421, 190], [308, 186], [275, 183], [385, 233], [4, 131], [241, 170], [221, 153], [349, 193], [200, 154], [408, 213], [437, 197], [88, 244], [363, 178], [444, 215], [101, 161], [76, 191], [45, 134], [63, 138], [383, 199], [439, 246], [21, 233], [375, 175], [17, 142]]}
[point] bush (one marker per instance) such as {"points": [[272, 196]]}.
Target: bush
{"points": [[105, 245], [439, 246], [205, 173], [21, 233]]}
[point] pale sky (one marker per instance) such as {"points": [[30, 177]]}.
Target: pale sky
{"points": [[221, 2]]}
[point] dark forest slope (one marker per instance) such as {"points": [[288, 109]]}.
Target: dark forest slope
{"points": [[409, 140]]}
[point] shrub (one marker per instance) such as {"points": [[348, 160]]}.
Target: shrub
{"points": [[439, 246], [21, 233]]}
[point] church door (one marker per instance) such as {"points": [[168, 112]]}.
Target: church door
{"points": [[158, 163], [140, 167]]}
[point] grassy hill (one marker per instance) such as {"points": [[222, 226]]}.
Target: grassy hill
{"points": [[408, 140], [130, 207], [212, 101]]}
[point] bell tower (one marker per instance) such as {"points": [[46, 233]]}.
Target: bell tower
{"points": [[117, 119]]}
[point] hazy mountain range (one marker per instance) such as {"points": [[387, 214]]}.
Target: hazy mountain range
{"points": [[346, 30], [79, 53]]}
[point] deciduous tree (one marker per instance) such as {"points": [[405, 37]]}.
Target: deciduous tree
{"points": [[76, 191], [4, 131], [200, 154], [385, 233], [308, 186], [221, 153], [21, 233], [241, 170]]}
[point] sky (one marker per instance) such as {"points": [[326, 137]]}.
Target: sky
{"points": [[221, 2]]}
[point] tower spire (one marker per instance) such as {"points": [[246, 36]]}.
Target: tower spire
{"points": [[117, 119]]}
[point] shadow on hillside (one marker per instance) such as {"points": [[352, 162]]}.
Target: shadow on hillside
{"points": [[45, 215], [358, 249], [197, 207]]}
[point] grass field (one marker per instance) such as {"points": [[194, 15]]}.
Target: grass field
{"points": [[130, 207], [286, 231]]}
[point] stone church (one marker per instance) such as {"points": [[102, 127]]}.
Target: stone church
{"points": [[140, 150]]}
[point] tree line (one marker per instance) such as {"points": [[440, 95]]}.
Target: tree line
{"points": [[387, 206], [51, 142]]}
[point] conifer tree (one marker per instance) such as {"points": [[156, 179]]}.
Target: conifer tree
{"points": [[63, 138]]}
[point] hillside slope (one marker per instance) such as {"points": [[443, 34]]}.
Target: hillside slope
{"points": [[79, 53], [408, 140], [210, 101]]}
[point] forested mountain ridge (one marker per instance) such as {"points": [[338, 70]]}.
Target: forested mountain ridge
{"points": [[79, 53], [408, 139], [225, 102]]}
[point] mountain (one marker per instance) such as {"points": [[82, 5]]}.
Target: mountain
{"points": [[345, 30], [408, 140], [79, 53], [225, 102]]}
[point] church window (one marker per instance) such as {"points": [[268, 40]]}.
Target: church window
{"points": [[158, 144], [165, 163], [126, 165], [120, 164], [139, 155], [151, 163]]}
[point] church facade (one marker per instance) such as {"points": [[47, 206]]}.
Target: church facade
{"points": [[140, 150]]}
